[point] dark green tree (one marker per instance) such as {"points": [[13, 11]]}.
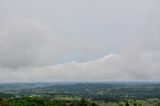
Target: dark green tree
{"points": [[83, 102], [135, 104], [94, 104], [120, 105], [139, 104], [126, 104]]}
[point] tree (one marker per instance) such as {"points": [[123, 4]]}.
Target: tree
{"points": [[135, 104], [158, 104], [94, 104], [83, 102], [126, 104], [120, 105], [140, 104]]}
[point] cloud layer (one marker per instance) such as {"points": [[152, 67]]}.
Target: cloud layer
{"points": [[142, 67], [61, 41]]}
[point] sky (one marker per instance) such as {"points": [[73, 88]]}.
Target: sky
{"points": [[79, 40]]}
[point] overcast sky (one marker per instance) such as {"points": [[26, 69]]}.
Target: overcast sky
{"points": [[79, 40]]}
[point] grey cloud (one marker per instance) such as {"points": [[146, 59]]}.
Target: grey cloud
{"points": [[20, 41], [38, 43]]}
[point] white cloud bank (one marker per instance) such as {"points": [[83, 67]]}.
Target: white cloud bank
{"points": [[142, 67]]}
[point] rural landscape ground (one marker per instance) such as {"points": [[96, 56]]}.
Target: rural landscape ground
{"points": [[80, 94]]}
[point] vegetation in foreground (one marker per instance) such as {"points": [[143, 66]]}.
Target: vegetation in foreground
{"points": [[38, 101]]}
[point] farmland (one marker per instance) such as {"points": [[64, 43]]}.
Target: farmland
{"points": [[80, 94]]}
